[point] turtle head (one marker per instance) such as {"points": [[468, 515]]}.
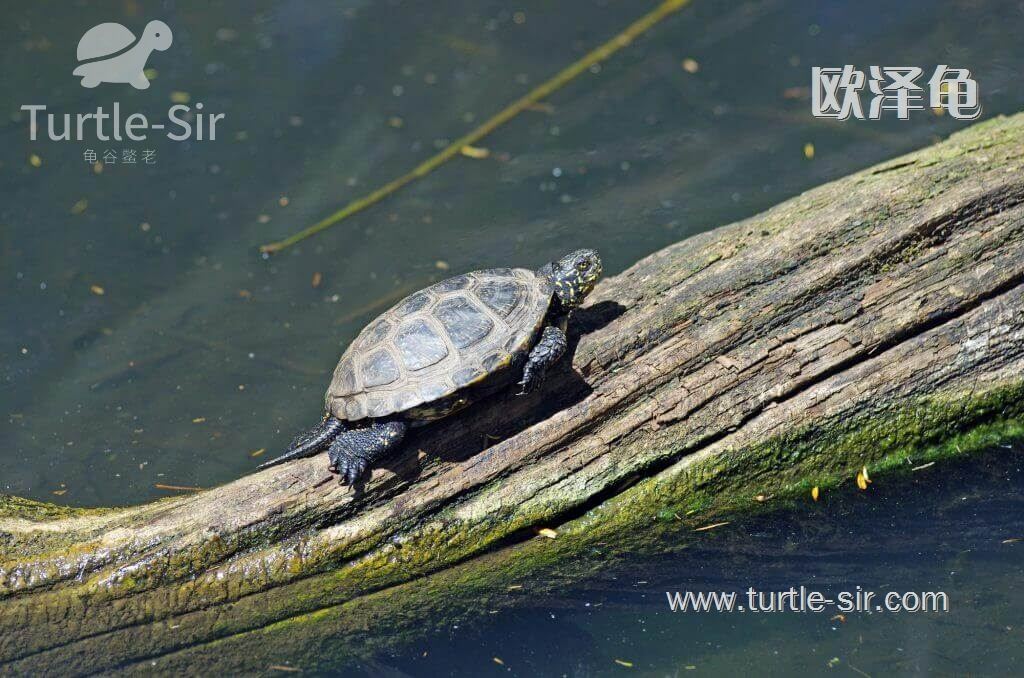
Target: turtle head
{"points": [[574, 276], [157, 35]]}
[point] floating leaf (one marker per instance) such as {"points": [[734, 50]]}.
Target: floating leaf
{"points": [[547, 532], [35, 160], [623, 662], [809, 151], [475, 152], [815, 493], [497, 660], [178, 488], [862, 483], [256, 453], [690, 65], [711, 526]]}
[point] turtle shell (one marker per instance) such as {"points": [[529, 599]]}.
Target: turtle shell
{"points": [[104, 40], [427, 351]]}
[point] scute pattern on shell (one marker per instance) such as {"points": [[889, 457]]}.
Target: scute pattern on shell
{"points": [[439, 340]]}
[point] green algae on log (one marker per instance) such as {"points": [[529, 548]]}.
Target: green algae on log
{"points": [[871, 320]]}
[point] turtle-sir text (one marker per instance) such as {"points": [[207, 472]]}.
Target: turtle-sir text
{"points": [[182, 123]]}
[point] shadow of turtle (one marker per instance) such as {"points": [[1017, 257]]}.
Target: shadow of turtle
{"points": [[501, 415]]}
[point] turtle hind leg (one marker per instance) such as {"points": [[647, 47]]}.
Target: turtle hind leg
{"points": [[140, 81], [354, 452], [311, 442]]}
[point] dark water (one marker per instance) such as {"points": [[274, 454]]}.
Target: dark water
{"points": [[956, 529], [199, 352]]}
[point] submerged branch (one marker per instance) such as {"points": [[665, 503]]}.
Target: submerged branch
{"points": [[524, 103]]}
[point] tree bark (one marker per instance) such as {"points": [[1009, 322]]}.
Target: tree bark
{"points": [[871, 320]]}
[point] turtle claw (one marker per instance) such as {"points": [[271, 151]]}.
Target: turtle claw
{"points": [[355, 471], [349, 467], [528, 384], [354, 452]]}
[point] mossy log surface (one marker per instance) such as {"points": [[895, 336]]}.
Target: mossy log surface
{"points": [[871, 320]]}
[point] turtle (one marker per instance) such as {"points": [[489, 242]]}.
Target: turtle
{"points": [[111, 53], [440, 349]]}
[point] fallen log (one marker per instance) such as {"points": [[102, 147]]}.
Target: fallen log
{"points": [[871, 320]]}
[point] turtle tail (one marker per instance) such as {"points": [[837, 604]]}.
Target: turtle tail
{"points": [[310, 443]]}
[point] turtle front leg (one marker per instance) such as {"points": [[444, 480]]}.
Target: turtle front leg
{"points": [[354, 452], [546, 353]]}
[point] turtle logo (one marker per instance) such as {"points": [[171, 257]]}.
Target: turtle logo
{"points": [[110, 53]]}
